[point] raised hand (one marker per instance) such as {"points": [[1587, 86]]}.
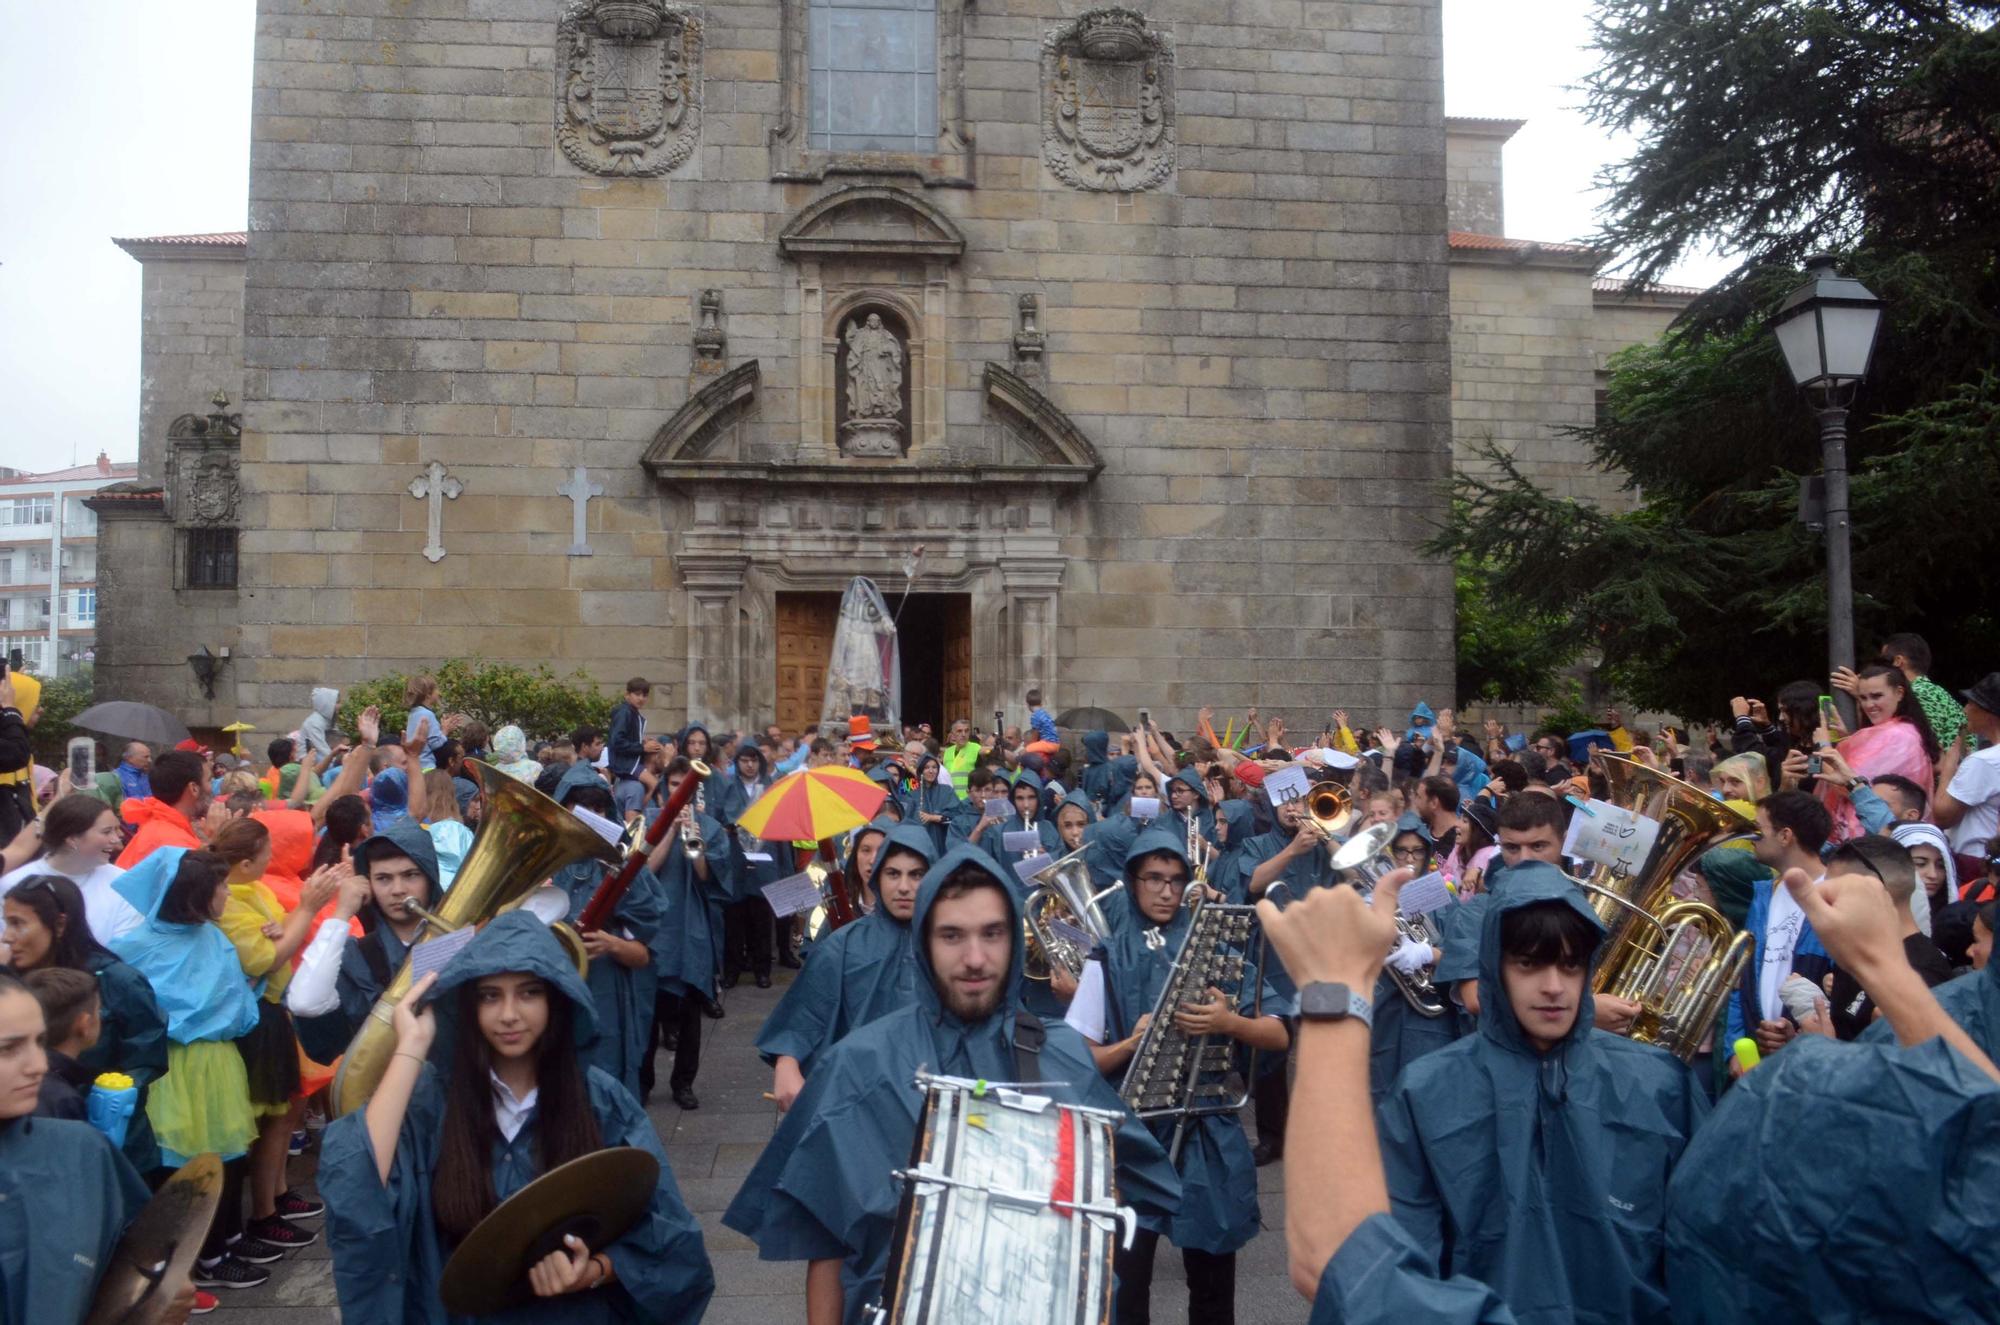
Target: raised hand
{"points": [[415, 1029], [369, 724]]}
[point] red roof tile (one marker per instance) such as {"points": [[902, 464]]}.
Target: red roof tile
{"points": [[1466, 239], [1614, 285], [220, 243]]}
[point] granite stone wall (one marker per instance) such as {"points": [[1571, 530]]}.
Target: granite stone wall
{"points": [[1254, 347]]}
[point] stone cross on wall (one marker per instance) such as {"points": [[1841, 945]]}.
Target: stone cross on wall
{"points": [[434, 487], [580, 490]]}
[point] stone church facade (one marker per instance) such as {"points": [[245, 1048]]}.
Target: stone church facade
{"points": [[545, 356]]}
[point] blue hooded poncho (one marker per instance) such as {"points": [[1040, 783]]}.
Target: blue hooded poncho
{"points": [[1227, 875], [994, 840], [197, 980], [727, 799], [389, 799], [824, 1187], [623, 995], [66, 1195], [1542, 1175], [687, 946], [1218, 1211], [361, 981], [387, 1255], [1842, 1183], [858, 973], [939, 799], [1106, 780]]}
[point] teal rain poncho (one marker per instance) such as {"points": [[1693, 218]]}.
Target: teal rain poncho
{"points": [[861, 971], [196, 979], [387, 1255], [1541, 1175], [1218, 1211], [1380, 1276], [824, 1187], [623, 994], [66, 1195], [1842, 1183], [1972, 1000], [687, 947]]}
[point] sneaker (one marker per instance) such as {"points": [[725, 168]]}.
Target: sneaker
{"points": [[204, 1303], [254, 1250], [298, 1143], [279, 1232], [229, 1272], [291, 1205]]}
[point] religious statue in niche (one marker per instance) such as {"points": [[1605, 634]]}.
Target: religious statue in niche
{"points": [[628, 85], [872, 424], [1108, 102]]}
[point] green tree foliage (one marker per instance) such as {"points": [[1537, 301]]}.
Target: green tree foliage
{"points": [[535, 699], [62, 699], [1508, 653], [1779, 128]]}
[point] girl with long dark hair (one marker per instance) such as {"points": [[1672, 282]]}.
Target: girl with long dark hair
{"points": [[48, 925], [80, 839], [485, 1092]]}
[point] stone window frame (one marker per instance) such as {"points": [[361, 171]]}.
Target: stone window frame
{"points": [[189, 555], [793, 159]]}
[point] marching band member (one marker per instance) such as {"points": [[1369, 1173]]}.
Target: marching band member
{"points": [[339, 977], [934, 804], [1534, 1156], [1400, 1034], [66, 1194], [621, 962], [1026, 798], [687, 947], [1218, 1212], [824, 1190], [858, 973], [749, 930], [507, 1099]]}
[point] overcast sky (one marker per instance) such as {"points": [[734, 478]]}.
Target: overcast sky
{"points": [[133, 118]]}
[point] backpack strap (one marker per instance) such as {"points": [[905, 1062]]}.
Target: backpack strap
{"points": [[1029, 1036]]}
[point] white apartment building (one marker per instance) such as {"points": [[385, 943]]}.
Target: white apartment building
{"points": [[48, 565]]}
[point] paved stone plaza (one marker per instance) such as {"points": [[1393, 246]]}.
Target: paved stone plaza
{"points": [[711, 1150]]}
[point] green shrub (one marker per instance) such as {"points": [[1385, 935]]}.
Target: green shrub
{"points": [[536, 700]]}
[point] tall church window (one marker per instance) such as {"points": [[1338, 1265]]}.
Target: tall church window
{"points": [[873, 83]]}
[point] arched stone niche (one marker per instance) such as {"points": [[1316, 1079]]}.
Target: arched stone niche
{"points": [[867, 248], [852, 322]]}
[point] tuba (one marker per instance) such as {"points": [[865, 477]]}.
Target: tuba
{"points": [[1062, 894], [1364, 860], [1676, 959], [523, 839]]}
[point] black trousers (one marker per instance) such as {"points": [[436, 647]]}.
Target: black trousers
{"points": [[747, 937], [682, 1016], [1211, 1283], [227, 1225]]}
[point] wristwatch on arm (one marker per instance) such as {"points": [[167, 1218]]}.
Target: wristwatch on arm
{"points": [[1325, 1001]]}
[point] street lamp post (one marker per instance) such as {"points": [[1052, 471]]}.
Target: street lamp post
{"points": [[1826, 329]]}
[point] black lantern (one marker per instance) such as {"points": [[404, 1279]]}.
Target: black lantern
{"points": [[1827, 328]]}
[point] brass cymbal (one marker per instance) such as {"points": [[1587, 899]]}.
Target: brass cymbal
{"points": [[599, 1198], [151, 1262]]}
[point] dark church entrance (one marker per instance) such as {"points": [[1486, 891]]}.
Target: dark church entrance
{"points": [[934, 635]]}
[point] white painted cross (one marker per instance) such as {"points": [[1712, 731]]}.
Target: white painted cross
{"points": [[434, 487], [580, 490]]}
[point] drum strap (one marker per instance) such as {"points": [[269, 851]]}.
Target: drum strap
{"points": [[1029, 1036]]}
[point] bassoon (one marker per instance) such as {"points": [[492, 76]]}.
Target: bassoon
{"points": [[612, 891]]}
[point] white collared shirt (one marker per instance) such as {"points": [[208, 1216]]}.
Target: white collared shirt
{"points": [[511, 1114]]}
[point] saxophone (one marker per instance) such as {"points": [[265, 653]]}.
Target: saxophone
{"points": [[1173, 1073]]}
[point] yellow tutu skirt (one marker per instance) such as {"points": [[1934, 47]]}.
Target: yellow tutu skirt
{"points": [[202, 1104]]}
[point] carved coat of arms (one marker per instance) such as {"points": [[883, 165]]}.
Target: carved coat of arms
{"points": [[1108, 102], [628, 85], [210, 491]]}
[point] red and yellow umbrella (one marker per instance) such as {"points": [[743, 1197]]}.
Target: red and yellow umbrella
{"points": [[814, 804]]}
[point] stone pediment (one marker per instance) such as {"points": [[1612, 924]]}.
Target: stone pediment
{"points": [[872, 220], [703, 444]]}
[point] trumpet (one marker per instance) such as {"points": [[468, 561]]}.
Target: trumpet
{"points": [[1365, 859]]}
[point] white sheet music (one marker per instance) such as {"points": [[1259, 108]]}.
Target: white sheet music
{"points": [[789, 896]]}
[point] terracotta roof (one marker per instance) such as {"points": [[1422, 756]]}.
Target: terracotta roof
{"points": [[1486, 126], [221, 243], [1467, 239], [1614, 285], [122, 493]]}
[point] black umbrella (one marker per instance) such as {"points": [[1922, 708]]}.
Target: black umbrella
{"points": [[134, 722], [1092, 720]]}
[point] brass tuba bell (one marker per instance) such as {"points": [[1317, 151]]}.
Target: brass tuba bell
{"points": [[523, 838]]}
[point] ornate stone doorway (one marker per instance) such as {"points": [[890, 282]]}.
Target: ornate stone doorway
{"points": [[934, 636]]}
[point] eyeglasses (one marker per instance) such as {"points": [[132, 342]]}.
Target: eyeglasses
{"points": [[1407, 853], [1162, 881]]}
